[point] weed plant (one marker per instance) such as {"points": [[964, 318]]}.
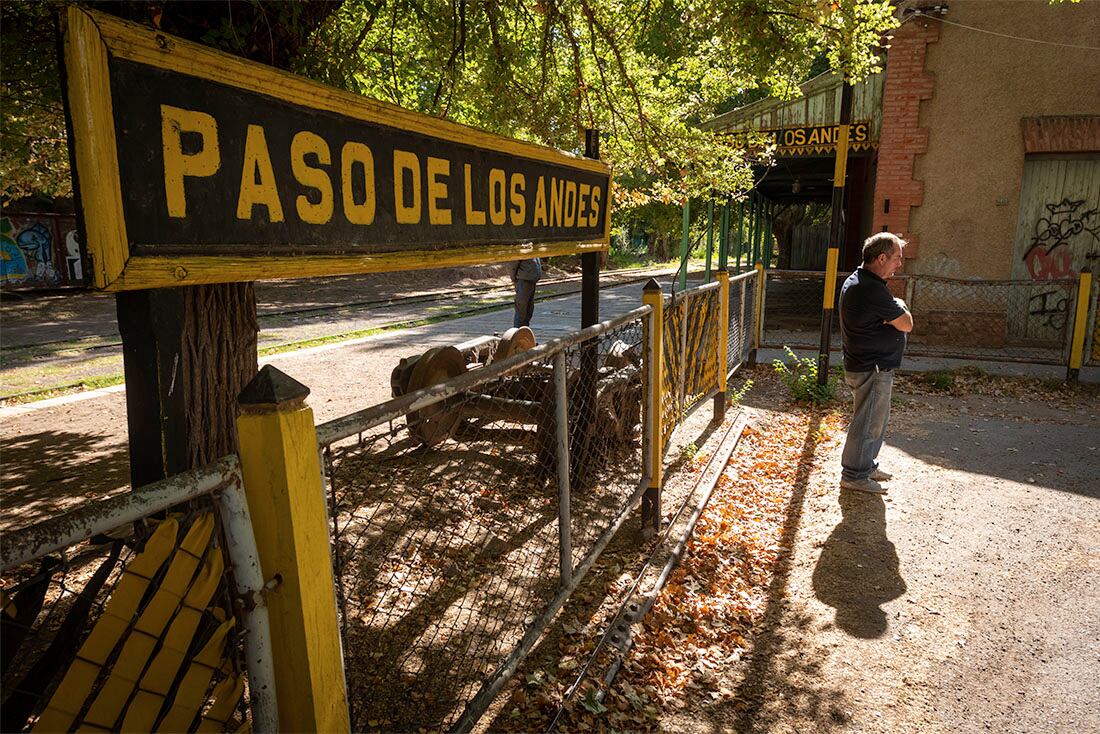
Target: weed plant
{"points": [[799, 374]]}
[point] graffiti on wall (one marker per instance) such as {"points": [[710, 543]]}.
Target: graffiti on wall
{"points": [[39, 251], [1049, 255], [1050, 308]]}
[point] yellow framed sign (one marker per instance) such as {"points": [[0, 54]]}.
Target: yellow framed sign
{"points": [[193, 166]]}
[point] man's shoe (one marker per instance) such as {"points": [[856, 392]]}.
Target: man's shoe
{"points": [[881, 476], [870, 486]]}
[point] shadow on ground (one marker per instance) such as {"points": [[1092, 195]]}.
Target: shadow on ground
{"points": [[41, 477], [857, 571]]}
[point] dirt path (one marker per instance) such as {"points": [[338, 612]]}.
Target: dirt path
{"points": [[56, 456], [966, 600]]}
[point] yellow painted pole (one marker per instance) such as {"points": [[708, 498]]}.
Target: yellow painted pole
{"points": [[282, 481], [1080, 316], [827, 301], [651, 501], [758, 308], [723, 277]]}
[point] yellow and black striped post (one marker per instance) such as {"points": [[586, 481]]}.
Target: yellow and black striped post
{"points": [[651, 500], [836, 233], [1080, 316]]}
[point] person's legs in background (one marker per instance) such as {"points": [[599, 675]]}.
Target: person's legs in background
{"points": [[525, 303]]}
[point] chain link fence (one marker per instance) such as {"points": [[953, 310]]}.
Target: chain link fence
{"points": [[465, 510], [1021, 320], [118, 617], [1005, 320], [742, 319], [792, 309]]}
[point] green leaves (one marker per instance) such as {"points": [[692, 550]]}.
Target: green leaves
{"points": [[592, 704]]}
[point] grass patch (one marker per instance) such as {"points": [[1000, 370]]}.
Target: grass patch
{"points": [[942, 380], [89, 383]]}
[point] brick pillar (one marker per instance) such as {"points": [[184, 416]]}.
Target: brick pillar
{"points": [[901, 140]]}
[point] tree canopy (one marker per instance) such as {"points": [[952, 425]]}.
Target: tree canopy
{"points": [[643, 72]]}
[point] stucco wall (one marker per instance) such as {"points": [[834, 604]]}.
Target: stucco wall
{"points": [[984, 85]]}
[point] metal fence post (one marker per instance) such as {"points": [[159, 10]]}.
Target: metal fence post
{"points": [[651, 500], [561, 412], [1080, 316], [758, 313], [282, 481], [723, 342]]}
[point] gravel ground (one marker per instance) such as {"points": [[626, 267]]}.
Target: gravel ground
{"points": [[965, 600]]}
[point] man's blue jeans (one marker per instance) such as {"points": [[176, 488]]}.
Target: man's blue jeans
{"points": [[867, 430], [525, 303]]}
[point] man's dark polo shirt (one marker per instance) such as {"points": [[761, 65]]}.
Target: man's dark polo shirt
{"points": [[865, 305]]}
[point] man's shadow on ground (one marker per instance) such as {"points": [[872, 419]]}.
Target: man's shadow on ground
{"points": [[857, 571]]}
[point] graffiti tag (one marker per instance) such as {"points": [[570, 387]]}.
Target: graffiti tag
{"points": [[1049, 256], [1052, 308]]}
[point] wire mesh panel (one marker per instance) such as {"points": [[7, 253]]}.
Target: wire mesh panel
{"points": [[742, 319], [605, 431], [446, 518], [126, 631], [792, 308], [1014, 320]]}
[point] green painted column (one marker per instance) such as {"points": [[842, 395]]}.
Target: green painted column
{"points": [[710, 236], [740, 231], [685, 243], [724, 236]]}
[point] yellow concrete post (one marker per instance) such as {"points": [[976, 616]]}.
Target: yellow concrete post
{"points": [[723, 277], [651, 501], [1080, 316], [282, 481], [758, 309]]}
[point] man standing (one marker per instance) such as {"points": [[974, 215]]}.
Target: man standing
{"points": [[525, 273], [874, 325]]}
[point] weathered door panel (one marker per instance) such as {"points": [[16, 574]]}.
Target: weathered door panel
{"points": [[1057, 234]]}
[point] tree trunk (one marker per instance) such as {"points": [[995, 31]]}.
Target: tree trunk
{"points": [[219, 359]]}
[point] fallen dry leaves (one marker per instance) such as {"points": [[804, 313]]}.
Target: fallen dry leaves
{"points": [[702, 622]]}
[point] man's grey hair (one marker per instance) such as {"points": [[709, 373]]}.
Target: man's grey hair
{"points": [[882, 243]]}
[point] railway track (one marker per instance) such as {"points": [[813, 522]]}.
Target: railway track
{"points": [[287, 329]]}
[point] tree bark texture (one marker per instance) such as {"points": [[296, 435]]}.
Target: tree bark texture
{"points": [[219, 359]]}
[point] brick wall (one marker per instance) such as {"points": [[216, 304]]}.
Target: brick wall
{"points": [[901, 140]]}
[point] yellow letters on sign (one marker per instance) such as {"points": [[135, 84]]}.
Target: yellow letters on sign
{"points": [[357, 212], [406, 161], [437, 189], [497, 196], [303, 144], [594, 207], [473, 216], [258, 178], [174, 122], [517, 212]]}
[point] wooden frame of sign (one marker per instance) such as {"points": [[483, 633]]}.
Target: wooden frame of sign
{"points": [[193, 166]]}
